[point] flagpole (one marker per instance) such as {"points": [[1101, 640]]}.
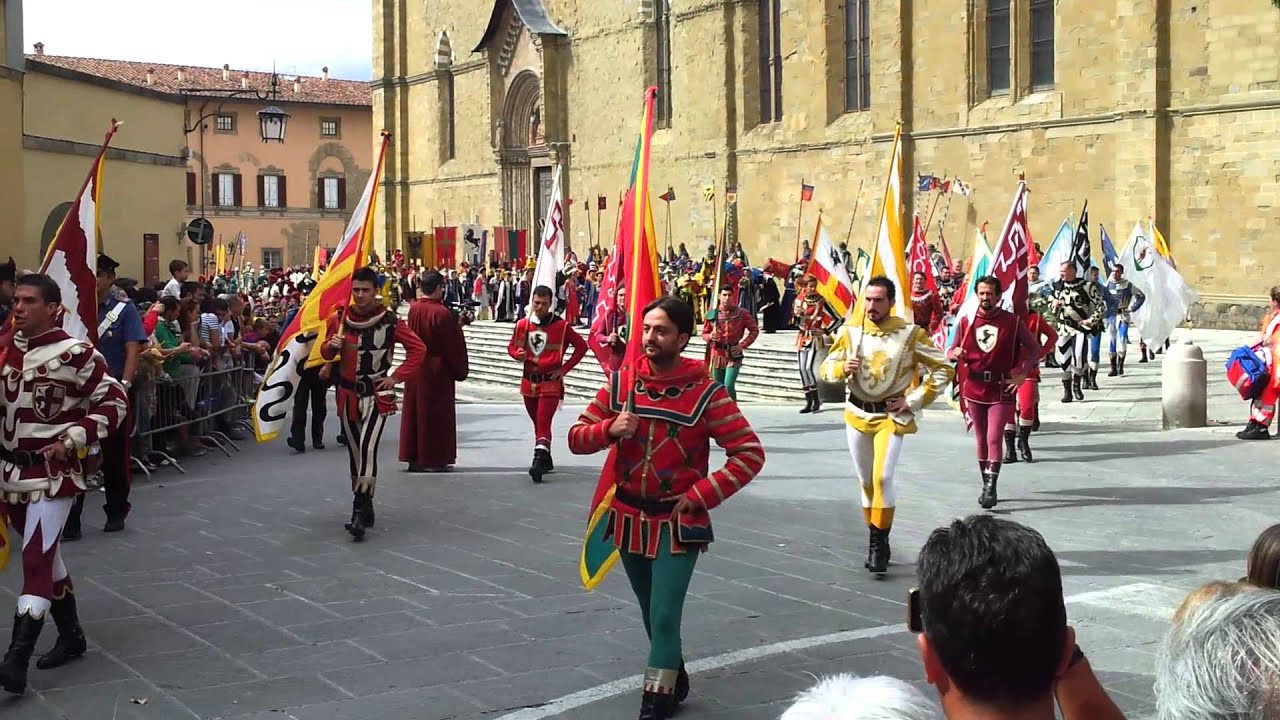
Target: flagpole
{"points": [[856, 200], [799, 219], [668, 228], [936, 198], [875, 244], [599, 219]]}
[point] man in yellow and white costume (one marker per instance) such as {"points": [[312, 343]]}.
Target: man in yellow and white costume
{"points": [[892, 370]]}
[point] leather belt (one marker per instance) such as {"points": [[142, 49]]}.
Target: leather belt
{"points": [[22, 458], [987, 377], [647, 506], [539, 377], [360, 386], [867, 405]]}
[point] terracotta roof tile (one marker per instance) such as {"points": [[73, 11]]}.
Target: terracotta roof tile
{"points": [[164, 78]]}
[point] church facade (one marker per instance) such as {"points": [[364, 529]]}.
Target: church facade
{"points": [[1167, 109]]}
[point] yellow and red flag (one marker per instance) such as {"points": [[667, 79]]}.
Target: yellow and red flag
{"points": [[301, 341], [638, 242]]}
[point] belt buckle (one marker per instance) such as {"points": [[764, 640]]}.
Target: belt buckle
{"points": [[24, 458]]}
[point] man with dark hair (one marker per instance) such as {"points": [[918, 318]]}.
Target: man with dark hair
{"points": [[661, 431], [994, 352], [892, 371], [539, 342], [728, 331], [429, 433], [8, 276], [1077, 307], [926, 306], [59, 403], [994, 636], [361, 340]]}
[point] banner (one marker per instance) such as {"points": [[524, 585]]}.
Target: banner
{"points": [[827, 266], [1168, 295], [920, 260], [551, 248], [1058, 252], [889, 256]]}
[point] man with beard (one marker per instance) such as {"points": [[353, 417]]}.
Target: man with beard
{"points": [[361, 341], [659, 433], [429, 432], [892, 370], [539, 343], [995, 353], [728, 331], [1077, 308]]}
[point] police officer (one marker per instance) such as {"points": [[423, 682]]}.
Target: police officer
{"points": [[120, 340]]}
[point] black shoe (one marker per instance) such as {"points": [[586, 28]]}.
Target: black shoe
{"points": [[1114, 368], [1091, 380], [70, 643], [1076, 382], [879, 562], [538, 467], [871, 547], [1144, 356], [1254, 431], [342, 440], [682, 684], [297, 445], [808, 403], [1066, 390], [368, 511], [1024, 443], [317, 444], [114, 524], [549, 464], [1120, 366], [71, 531], [657, 706], [357, 527], [13, 669], [817, 401], [988, 497], [1009, 455]]}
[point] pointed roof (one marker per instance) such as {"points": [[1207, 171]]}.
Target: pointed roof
{"points": [[532, 13]]}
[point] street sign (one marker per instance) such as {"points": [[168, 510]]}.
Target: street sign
{"points": [[200, 231]]}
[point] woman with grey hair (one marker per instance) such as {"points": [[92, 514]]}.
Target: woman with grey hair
{"points": [[1222, 661], [847, 697]]}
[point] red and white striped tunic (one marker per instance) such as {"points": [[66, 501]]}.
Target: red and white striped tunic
{"points": [[53, 386]]}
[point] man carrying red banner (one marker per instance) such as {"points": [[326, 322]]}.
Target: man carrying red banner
{"points": [[361, 340], [814, 320], [995, 352], [1017, 435], [728, 331], [659, 519], [539, 342]]}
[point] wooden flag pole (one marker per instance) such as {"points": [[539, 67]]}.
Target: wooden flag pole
{"points": [[668, 229], [591, 241], [799, 220], [599, 219], [856, 199], [936, 198]]}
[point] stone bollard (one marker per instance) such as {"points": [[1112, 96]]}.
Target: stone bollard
{"points": [[1184, 389]]}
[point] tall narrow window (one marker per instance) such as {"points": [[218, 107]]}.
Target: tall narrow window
{"points": [[662, 21], [1041, 44], [857, 55], [770, 60], [270, 191], [331, 195], [998, 47], [450, 130], [226, 189]]}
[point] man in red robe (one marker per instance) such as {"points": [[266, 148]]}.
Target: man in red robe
{"points": [[428, 433]]}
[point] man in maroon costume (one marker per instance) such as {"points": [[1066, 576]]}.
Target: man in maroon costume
{"points": [[539, 342], [57, 403], [995, 352], [926, 306], [361, 341], [428, 433]]}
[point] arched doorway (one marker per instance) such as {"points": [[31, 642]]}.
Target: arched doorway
{"points": [[524, 157]]}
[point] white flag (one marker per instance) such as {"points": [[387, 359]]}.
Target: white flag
{"points": [[551, 248], [1167, 295]]}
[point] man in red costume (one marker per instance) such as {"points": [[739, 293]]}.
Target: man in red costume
{"points": [[361, 340], [995, 352], [1028, 405], [926, 306], [729, 331], [659, 433], [58, 403], [429, 430], [539, 341]]}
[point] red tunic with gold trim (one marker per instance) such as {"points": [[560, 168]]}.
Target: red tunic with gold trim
{"points": [[366, 354], [729, 333], [541, 346], [53, 386], [680, 413], [814, 320]]}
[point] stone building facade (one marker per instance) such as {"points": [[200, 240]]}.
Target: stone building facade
{"points": [[1168, 109]]}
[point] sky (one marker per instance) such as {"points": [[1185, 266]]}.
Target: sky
{"points": [[298, 36]]}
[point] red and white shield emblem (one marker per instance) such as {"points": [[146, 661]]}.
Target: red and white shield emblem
{"points": [[46, 400]]}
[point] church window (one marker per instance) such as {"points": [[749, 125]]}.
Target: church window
{"points": [[662, 22], [857, 55], [998, 47], [1041, 44], [770, 17]]}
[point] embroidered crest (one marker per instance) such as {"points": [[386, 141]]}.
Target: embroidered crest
{"points": [[46, 400], [537, 342], [988, 335]]}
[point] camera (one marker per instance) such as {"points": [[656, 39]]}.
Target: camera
{"points": [[464, 311]]}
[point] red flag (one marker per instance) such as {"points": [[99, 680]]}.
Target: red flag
{"points": [[806, 192], [919, 262], [601, 202], [606, 319]]}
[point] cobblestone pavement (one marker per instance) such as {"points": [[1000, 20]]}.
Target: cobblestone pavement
{"points": [[235, 592]]}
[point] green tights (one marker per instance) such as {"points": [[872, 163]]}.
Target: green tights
{"points": [[660, 586], [728, 377]]}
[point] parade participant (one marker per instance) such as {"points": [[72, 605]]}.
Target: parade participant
{"points": [[770, 304], [614, 331], [815, 321], [428, 432], [659, 519], [120, 340], [539, 342], [58, 402], [926, 306], [728, 331], [1017, 436], [361, 341], [1127, 301], [995, 353], [1095, 335], [1077, 308], [893, 371], [8, 276], [1263, 407]]}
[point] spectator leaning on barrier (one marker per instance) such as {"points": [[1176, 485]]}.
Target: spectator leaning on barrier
{"points": [[994, 636], [173, 400]]}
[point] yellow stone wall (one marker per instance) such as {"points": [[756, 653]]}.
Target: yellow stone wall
{"points": [[11, 200], [1167, 110]]}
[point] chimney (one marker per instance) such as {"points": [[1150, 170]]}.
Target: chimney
{"points": [[39, 48], [181, 75], [244, 82], [297, 86], [226, 72], [151, 76], [324, 72]]}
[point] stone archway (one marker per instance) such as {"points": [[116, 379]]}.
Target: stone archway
{"points": [[524, 155], [356, 177]]}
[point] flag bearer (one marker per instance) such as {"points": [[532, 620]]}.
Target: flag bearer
{"points": [[729, 331], [1077, 309], [814, 319]]}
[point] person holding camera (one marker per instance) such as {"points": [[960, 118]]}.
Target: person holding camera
{"points": [[429, 431]]}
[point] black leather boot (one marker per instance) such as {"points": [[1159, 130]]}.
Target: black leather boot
{"points": [[1091, 379], [657, 706], [367, 512], [817, 401], [808, 403], [879, 562], [1120, 366], [871, 546], [682, 684], [1009, 455], [1066, 390], [989, 477], [1076, 389], [13, 669], [1024, 443], [71, 528], [357, 527], [549, 464], [70, 643], [538, 467], [1114, 368], [1144, 354]]}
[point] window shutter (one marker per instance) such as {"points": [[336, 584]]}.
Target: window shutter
{"points": [[320, 193], [237, 190], [342, 193], [216, 187], [191, 188], [283, 202], [262, 191]]}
